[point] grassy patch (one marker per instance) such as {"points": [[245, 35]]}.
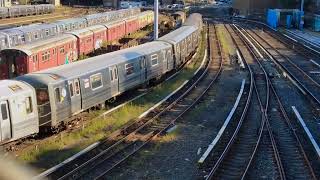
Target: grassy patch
{"points": [[55, 149], [225, 40]]}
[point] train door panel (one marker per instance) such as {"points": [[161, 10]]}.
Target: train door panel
{"points": [[75, 95], [165, 62], [143, 69], [5, 121], [12, 67], [114, 80], [170, 63]]}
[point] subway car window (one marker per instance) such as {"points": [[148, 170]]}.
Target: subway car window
{"points": [[96, 81], [129, 68], [111, 75], [71, 89], [154, 60], [4, 111], [42, 96], [28, 105], [57, 95], [77, 87]]}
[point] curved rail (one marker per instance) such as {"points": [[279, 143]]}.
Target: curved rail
{"points": [[234, 135], [291, 75], [155, 115], [264, 112], [312, 51], [285, 116], [265, 116], [199, 97]]}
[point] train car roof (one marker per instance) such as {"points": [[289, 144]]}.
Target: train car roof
{"points": [[12, 87], [193, 20], [69, 20], [113, 23], [11, 31], [31, 48], [79, 68], [179, 34], [97, 15], [81, 32], [34, 27], [96, 28]]}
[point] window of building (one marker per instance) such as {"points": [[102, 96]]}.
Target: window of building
{"points": [[129, 68], [154, 59], [96, 81], [28, 105], [57, 95], [4, 110], [47, 32]]}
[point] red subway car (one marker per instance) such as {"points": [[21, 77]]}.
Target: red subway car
{"points": [[115, 30], [38, 56]]}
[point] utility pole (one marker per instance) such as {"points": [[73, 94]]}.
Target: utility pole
{"points": [[301, 15], [156, 19], [301, 6]]}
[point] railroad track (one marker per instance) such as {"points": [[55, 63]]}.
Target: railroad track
{"points": [[307, 83], [38, 18], [266, 145], [301, 60], [121, 146], [288, 41], [236, 158], [293, 162]]}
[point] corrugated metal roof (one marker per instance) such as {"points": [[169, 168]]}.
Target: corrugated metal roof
{"points": [[97, 28], [70, 20], [114, 23], [179, 34], [81, 32], [99, 62], [12, 31]]}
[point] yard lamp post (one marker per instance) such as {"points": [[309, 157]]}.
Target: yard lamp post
{"points": [[156, 19]]}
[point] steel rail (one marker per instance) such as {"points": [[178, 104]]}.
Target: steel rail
{"points": [[293, 77], [234, 135], [124, 131], [141, 127], [266, 119], [185, 110], [285, 116]]}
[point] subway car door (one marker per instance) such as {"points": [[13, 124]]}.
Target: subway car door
{"points": [[5, 119], [143, 69], [75, 96], [114, 80], [165, 62]]}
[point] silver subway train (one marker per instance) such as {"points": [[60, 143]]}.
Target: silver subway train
{"points": [[49, 98]]}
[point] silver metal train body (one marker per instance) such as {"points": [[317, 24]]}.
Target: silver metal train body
{"points": [[49, 98], [35, 32], [25, 10]]}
